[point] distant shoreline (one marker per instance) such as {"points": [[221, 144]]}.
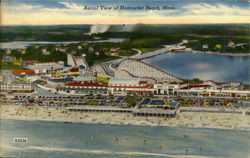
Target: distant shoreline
{"points": [[165, 50], [185, 119], [218, 53]]}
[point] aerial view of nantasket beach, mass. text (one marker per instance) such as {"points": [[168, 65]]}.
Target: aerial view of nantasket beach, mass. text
{"points": [[124, 79]]}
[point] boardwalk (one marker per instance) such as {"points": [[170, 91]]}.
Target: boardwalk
{"points": [[215, 110], [159, 112], [134, 111]]}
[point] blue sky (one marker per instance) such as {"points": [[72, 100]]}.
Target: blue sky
{"points": [[41, 12]]}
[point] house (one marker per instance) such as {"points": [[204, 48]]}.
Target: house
{"points": [[22, 51], [231, 44], [8, 59], [114, 49], [91, 49], [184, 41], [61, 62], [8, 51], [45, 52], [218, 46], [61, 49], [114, 54], [205, 46]]}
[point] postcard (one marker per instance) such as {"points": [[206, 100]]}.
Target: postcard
{"points": [[123, 78]]}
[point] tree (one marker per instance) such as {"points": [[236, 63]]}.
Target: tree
{"points": [[131, 101], [197, 80]]}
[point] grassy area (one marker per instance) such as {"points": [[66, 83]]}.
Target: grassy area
{"points": [[102, 79], [147, 50], [131, 101], [10, 66], [126, 52], [104, 59], [246, 87]]}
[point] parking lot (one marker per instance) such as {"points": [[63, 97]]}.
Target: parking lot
{"points": [[99, 100], [64, 100]]}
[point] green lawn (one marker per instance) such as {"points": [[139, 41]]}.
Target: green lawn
{"points": [[10, 66]]}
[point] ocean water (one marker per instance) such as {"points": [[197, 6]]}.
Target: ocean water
{"points": [[62, 140], [204, 66]]}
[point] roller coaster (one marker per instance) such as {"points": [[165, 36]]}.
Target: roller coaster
{"points": [[130, 67]]}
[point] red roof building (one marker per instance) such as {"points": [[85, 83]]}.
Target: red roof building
{"points": [[18, 72]]}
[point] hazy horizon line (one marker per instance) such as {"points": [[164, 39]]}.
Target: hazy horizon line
{"points": [[127, 24]]}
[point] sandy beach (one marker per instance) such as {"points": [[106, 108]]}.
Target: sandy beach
{"points": [[187, 119]]}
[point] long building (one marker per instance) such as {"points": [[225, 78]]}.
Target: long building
{"points": [[122, 86], [45, 67], [116, 86], [17, 88], [87, 84]]}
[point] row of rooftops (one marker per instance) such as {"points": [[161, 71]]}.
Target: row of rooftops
{"points": [[89, 80], [110, 85], [121, 83]]}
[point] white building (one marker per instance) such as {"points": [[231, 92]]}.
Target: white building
{"points": [[205, 46], [45, 52], [63, 50], [16, 88], [7, 59], [45, 67], [8, 51], [130, 86]]}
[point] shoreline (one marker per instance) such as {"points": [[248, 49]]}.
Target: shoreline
{"points": [[218, 53], [166, 50], [184, 119]]}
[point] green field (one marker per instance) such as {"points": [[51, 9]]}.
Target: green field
{"points": [[10, 66]]}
